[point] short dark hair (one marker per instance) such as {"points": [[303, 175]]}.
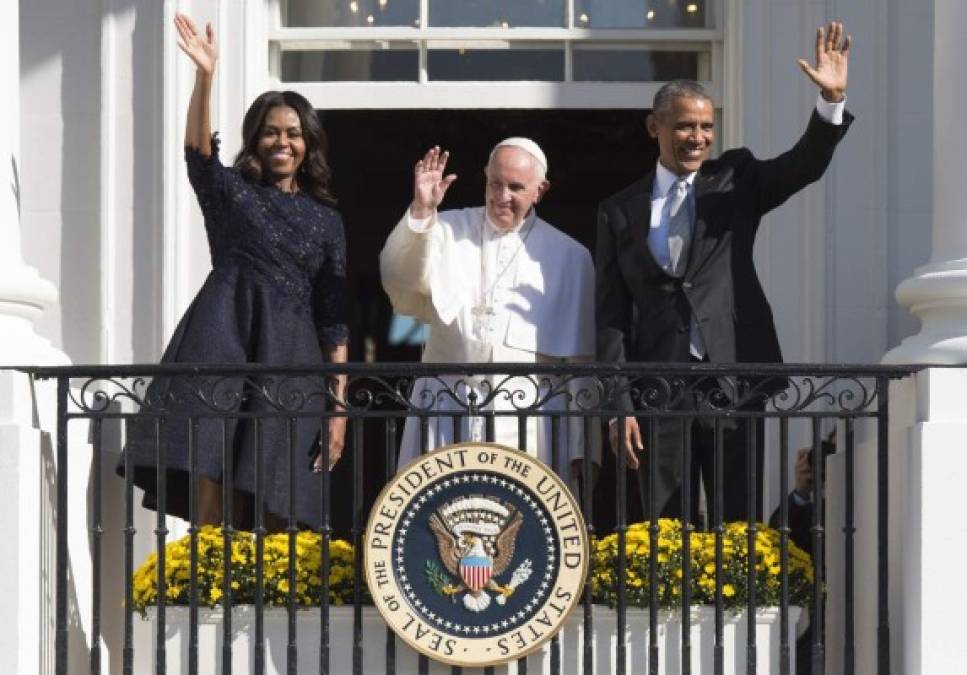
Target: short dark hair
{"points": [[672, 91], [314, 173]]}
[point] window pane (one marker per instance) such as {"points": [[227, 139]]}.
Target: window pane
{"points": [[626, 65], [389, 65], [346, 13], [507, 13], [464, 65], [641, 13]]}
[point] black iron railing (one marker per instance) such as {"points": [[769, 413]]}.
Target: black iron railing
{"points": [[379, 396]]}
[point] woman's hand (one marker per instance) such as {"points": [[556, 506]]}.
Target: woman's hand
{"points": [[337, 441], [337, 425], [200, 49], [204, 52]]}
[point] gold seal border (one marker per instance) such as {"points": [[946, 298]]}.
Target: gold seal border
{"points": [[574, 580]]}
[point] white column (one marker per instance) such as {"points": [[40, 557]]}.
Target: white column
{"points": [[937, 293], [24, 295], [928, 417]]}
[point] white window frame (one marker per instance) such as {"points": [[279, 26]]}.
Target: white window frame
{"points": [[267, 38], [251, 39]]}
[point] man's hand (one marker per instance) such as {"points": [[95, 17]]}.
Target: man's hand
{"points": [[804, 474], [632, 441], [429, 184], [832, 59]]}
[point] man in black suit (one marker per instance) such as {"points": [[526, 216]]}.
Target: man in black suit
{"points": [[675, 277]]}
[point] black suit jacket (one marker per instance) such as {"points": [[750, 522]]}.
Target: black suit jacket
{"points": [[643, 314]]}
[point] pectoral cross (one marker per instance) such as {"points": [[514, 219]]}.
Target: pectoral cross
{"points": [[482, 313]]}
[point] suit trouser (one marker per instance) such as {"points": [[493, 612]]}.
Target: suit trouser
{"points": [[742, 449]]}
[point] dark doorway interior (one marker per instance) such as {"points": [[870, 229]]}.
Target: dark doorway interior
{"points": [[591, 154]]}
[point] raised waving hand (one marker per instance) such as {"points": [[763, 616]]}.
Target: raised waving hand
{"points": [[429, 182], [201, 49], [832, 61]]}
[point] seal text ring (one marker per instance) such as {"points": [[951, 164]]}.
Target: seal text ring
{"points": [[476, 554]]}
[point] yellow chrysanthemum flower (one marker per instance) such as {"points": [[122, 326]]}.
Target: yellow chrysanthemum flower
{"points": [[210, 550], [732, 544]]}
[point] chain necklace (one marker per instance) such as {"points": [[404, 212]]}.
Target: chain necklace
{"points": [[483, 312]]}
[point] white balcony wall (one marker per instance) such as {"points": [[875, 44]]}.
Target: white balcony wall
{"points": [[90, 210]]}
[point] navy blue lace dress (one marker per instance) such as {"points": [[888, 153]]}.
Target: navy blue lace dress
{"points": [[275, 296]]}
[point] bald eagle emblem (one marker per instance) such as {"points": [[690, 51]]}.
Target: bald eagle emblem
{"points": [[475, 539]]}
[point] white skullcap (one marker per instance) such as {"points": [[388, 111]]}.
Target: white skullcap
{"points": [[525, 144]]}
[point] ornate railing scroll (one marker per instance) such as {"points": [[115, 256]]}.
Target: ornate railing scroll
{"points": [[470, 389]]}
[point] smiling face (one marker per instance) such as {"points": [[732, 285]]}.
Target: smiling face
{"points": [[685, 133], [281, 146], [513, 186]]}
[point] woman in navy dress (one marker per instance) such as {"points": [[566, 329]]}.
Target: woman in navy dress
{"points": [[275, 296]]}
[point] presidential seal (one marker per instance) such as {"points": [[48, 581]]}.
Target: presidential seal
{"points": [[475, 554]]}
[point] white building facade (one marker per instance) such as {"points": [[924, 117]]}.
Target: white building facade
{"points": [[103, 245], [108, 217]]}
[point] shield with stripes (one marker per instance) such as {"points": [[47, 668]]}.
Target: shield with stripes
{"points": [[475, 571]]}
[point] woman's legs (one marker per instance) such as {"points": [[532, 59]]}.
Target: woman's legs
{"points": [[211, 512], [209, 501]]}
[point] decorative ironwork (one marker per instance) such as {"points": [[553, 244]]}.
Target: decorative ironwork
{"points": [[456, 389]]}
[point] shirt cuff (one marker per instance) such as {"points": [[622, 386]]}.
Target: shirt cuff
{"points": [[830, 112], [420, 225]]}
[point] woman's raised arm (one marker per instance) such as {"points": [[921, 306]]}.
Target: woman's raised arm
{"points": [[204, 52]]}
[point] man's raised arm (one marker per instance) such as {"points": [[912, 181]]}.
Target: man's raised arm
{"points": [[405, 260]]}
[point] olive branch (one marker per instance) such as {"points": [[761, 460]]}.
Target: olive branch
{"points": [[436, 576]]}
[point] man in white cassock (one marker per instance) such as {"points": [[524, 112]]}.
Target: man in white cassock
{"points": [[496, 284]]}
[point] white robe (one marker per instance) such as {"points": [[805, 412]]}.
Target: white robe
{"points": [[542, 284]]}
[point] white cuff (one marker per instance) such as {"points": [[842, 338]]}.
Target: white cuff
{"points": [[420, 225], [831, 112]]}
